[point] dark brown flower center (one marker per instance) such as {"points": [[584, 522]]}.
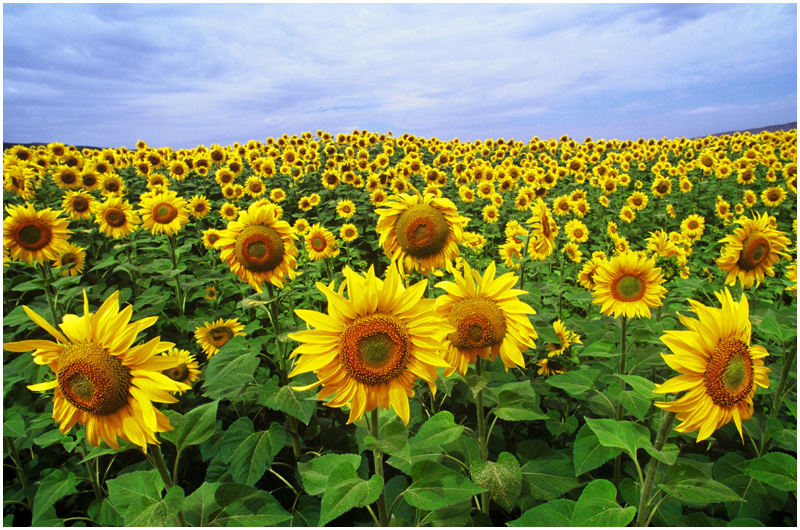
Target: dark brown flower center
{"points": [[164, 213], [115, 217], [33, 235], [729, 373], [479, 323], [259, 248], [422, 231], [92, 379], [375, 348]]}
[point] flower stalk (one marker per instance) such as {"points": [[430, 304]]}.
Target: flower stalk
{"points": [[377, 454], [642, 518]]}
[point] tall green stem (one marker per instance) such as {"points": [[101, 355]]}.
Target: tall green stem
{"points": [[788, 362], [482, 441], [174, 257], [157, 459], [375, 431], [623, 355], [47, 279], [652, 469]]}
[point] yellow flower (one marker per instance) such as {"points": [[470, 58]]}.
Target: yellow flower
{"points": [[277, 195], [214, 335], [346, 209], [199, 206], [773, 196], [165, 213], [576, 231], [488, 317], [74, 256], [490, 213], [229, 211], [371, 347], [548, 367], [31, 235], [751, 251], [210, 237], [573, 252], [320, 243], [348, 232], [102, 380], [186, 372], [720, 368], [693, 226], [628, 285], [566, 339], [543, 231]]}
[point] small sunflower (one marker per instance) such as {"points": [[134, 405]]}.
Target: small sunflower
{"points": [[229, 211], [102, 380], [490, 213], [348, 232], [637, 201], [186, 372], [165, 213], [576, 231], [210, 237], [277, 195], [566, 339], [488, 318], [214, 335], [66, 177], [115, 217], [320, 243], [720, 368], [693, 226], [371, 347], [752, 250], [305, 204], [773, 196], [346, 209], [78, 204], [31, 235], [573, 252], [199, 206], [421, 233], [662, 186], [112, 185], [74, 257], [211, 293], [301, 227], [628, 285], [258, 247], [543, 231], [548, 367], [586, 275]]}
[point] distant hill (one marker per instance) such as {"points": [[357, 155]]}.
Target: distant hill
{"points": [[755, 130]]}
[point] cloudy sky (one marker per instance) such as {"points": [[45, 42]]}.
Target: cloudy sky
{"points": [[182, 75]]}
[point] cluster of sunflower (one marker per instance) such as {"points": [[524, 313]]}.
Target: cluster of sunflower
{"points": [[419, 196]]}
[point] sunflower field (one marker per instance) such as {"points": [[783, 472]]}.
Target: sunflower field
{"points": [[365, 329]]}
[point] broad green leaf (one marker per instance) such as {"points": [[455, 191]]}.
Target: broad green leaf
{"points": [[668, 454], [346, 491], [517, 402], [597, 506], [576, 383], [588, 453], [250, 459], [53, 487], [244, 505], [694, 492], [778, 326], [779, 470], [230, 370], [743, 522], [435, 486], [301, 405], [440, 429], [315, 472], [394, 441], [640, 385], [194, 427], [198, 506], [162, 513], [600, 348], [135, 490], [554, 514], [14, 425], [549, 478], [502, 479], [453, 516], [635, 403], [624, 435]]}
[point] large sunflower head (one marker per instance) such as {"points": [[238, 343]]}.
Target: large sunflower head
{"points": [[752, 250], [258, 247], [164, 213], [628, 285], [102, 380], [31, 235], [488, 319], [720, 368], [115, 217], [421, 233], [371, 347], [214, 335]]}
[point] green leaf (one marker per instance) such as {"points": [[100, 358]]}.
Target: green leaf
{"points": [[14, 425], [244, 505], [502, 479], [161, 513], [635, 403], [518, 402], [435, 486], [740, 522], [779, 470], [394, 441], [301, 405], [136, 490], [229, 370], [440, 429], [346, 491], [640, 385], [668, 454], [588, 453], [576, 383], [698, 492], [315, 472], [555, 514], [600, 348], [193, 428], [777, 326], [198, 506], [249, 456], [597, 506], [549, 478], [624, 435], [53, 487]]}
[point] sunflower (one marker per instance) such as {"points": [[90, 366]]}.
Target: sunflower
{"points": [[637, 201], [165, 213], [258, 247], [210, 237], [720, 368], [305, 204], [751, 251], [224, 177], [229, 211], [348, 232], [78, 204], [422, 233], [214, 335], [548, 367], [199, 206], [562, 206], [90, 180], [371, 347], [157, 181], [254, 187], [576, 231], [573, 252], [693, 226], [791, 277], [628, 285], [566, 339], [662, 186], [627, 214], [178, 169], [73, 257], [277, 195], [490, 213], [102, 380], [112, 185], [586, 275], [301, 226], [543, 231], [186, 372], [346, 209], [773, 196], [31, 235], [488, 317], [66, 177], [320, 243], [115, 217]]}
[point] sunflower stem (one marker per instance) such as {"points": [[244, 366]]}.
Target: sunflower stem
{"points": [[375, 431], [623, 354], [47, 280], [158, 462], [652, 469], [93, 474], [178, 291], [777, 400], [17, 464], [482, 442]]}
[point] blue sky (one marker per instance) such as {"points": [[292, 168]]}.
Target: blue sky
{"points": [[183, 75]]}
